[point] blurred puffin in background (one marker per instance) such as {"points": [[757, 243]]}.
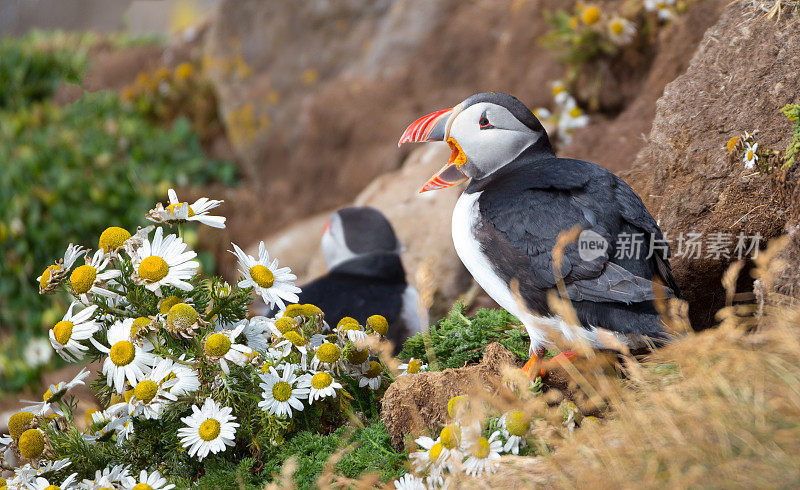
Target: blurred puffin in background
{"points": [[521, 196], [366, 276]]}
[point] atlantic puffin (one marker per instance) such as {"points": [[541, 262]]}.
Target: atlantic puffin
{"points": [[366, 276], [520, 197]]}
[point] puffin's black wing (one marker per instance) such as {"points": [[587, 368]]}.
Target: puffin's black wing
{"points": [[523, 211]]}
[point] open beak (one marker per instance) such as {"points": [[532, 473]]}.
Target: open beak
{"points": [[436, 127]]}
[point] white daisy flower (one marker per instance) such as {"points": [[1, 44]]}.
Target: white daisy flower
{"points": [[559, 90], [104, 423], [152, 393], [178, 211], [110, 477], [151, 481], [25, 475], [37, 352], [164, 262], [621, 30], [55, 393], [274, 285], [413, 366], [44, 484], [186, 379], [222, 347], [282, 394], [135, 242], [371, 376], [55, 274], [661, 7], [126, 358], [750, 156], [349, 329], [66, 336], [484, 455], [293, 340], [327, 356], [428, 456], [92, 276], [209, 429], [256, 331], [409, 482], [542, 113], [321, 385], [515, 426]]}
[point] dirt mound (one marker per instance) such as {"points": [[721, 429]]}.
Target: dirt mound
{"points": [[745, 71], [415, 403]]}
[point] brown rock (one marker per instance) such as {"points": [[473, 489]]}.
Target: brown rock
{"points": [[745, 70], [614, 142], [415, 403]]}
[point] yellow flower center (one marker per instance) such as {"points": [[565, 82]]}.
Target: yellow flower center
{"points": [[89, 419], [451, 436], [347, 321], [209, 429], [82, 278], [45, 279], [62, 331], [112, 238], [52, 487], [414, 365], [456, 405], [295, 338], [379, 324], [356, 356], [435, 451], [181, 316], [329, 353], [142, 486], [183, 71], [575, 112], [47, 395], [281, 391], [217, 345], [18, 422], [128, 395], [174, 208], [749, 154], [518, 423], [285, 324], [31, 443], [321, 380], [312, 310], [145, 390], [139, 324], [122, 353], [617, 27], [481, 448], [294, 310], [375, 369], [590, 15], [262, 276], [732, 143], [153, 268], [168, 303], [265, 367]]}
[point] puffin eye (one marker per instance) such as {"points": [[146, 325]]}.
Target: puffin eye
{"points": [[484, 122]]}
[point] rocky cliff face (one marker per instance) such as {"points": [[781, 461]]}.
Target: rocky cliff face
{"points": [[745, 70]]}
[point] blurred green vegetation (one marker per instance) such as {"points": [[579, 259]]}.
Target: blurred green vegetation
{"points": [[71, 171]]}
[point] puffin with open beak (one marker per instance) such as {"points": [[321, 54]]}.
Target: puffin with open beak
{"points": [[520, 197]]}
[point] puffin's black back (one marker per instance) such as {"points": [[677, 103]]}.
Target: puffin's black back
{"points": [[368, 285], [523, 208]]}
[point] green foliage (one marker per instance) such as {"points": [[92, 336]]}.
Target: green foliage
{"points": [[372, 451], [576, 45], [29, 74], [792, 111], [72, 171], [457, 340]]}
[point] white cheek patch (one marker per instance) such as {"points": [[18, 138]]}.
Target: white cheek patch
{"points": [[490, 149]]}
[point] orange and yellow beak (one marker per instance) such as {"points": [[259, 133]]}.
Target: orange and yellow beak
{"points": [[436, 127]]}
